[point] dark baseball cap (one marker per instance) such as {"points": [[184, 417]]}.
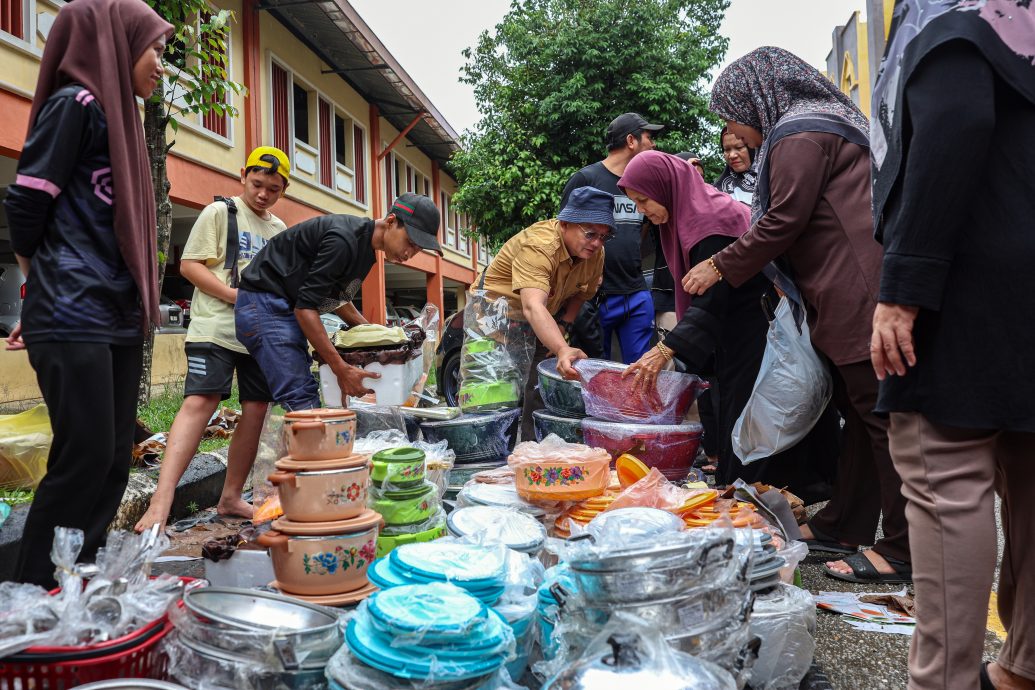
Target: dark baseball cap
{"points": [[626, 124], [420, 216]]}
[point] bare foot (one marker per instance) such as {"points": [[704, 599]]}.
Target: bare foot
{"points": [[157, 513], [234, 507], [1005, 680], [875, 558]]}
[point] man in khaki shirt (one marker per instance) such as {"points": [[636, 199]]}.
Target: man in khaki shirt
{"points": [[553, 267]]}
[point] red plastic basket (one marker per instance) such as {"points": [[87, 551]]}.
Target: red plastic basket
{"points": [[144, 659]]}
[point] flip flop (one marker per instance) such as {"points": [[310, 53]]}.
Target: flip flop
{"points": [[864, 572], [825, 543]]}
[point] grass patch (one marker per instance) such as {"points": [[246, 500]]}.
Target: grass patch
{"points": [[16, 496], [165, 403]]}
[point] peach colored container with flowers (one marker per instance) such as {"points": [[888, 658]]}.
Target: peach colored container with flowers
{"points": [[555, 470], [323, 495], [321, 558], [321, 434]]}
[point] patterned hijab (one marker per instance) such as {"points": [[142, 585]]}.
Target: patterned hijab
{"points": [[96, 43], [1003, 30], [695, 209], [770, 88]]}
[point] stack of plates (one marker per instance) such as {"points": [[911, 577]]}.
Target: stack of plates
{"points": [[479, 570], [429, 632], [765, 563], [494, 525], [498, 495], [583, 512]]}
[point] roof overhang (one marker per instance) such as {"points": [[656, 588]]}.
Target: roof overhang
{"points": [[336, 33]]}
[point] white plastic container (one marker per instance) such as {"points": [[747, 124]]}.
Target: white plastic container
{"points": [[393, 388]]}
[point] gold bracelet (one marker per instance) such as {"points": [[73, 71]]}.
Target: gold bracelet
{"points": [[711, 262], [665, 351]]}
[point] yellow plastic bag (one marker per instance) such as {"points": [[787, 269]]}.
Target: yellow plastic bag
{"points": [[24, 446]]}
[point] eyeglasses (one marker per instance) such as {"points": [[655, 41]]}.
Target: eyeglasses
{"points": [[602, 236]]}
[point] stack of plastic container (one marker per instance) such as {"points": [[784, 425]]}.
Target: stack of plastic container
{"points": [[647, 424], [480, 442], [407, 501], [325, 542], [564, 406]]}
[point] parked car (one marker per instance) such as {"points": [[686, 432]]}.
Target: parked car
{"points": [[184, 304], [407, 314], [12, 294], [332, 323], [172, 317], [447, 358]]}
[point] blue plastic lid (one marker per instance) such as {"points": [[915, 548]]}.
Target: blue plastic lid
{"points": [[436, 608], [468, 563]]}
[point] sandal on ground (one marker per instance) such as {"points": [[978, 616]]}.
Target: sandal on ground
{"points": [[827, 544], [864, 572]]}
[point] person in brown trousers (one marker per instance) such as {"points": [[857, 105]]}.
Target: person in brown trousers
{"points": [[811, 234], [954, 331]]}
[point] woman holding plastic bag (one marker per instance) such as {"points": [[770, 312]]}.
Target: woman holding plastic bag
{"points": [[811, 213], [695, 221]]}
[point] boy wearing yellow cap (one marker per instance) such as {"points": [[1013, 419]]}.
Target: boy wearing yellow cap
{"points": [[239, 226]]}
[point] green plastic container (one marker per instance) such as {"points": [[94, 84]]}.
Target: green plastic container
{"points": [[389, 540], [481, 397], [398, 467], [406, 506]]}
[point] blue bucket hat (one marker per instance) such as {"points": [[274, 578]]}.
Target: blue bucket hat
{"points": [[589, 205]]}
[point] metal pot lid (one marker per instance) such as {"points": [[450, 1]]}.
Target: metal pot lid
{"points": [[472, 419], [400, 454], [250, 609], [289, 464], [322, 414], [361, 523], [632, 523], [517, 530], [131, 684], [630, 664]]}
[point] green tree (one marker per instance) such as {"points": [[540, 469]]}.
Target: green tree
{"points": [[196, 82], [555, 73]]}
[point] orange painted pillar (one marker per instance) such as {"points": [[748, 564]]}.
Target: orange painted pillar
{"points": [[436, 282], [375, 303], [252, 110]]}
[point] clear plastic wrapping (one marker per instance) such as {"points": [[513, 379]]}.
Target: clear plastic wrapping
{"points": [[554, 469], [497, 525], [272, 447], [438, 458], [496, 355], [118, 600], [345, 671], [671, 448], [630, 653], [475, 437], [609, 396], [429, 632], [784, 619]]}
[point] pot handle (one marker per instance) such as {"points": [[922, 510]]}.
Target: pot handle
{"points": [[278, 478], [272, 540], [305, 426]]}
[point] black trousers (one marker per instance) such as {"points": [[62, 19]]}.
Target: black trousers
{"points": [[91, 395]]}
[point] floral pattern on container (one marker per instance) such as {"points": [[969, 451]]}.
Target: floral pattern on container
{"points": [[348, 493], [408, 471], [551, 476], [329, 562]]}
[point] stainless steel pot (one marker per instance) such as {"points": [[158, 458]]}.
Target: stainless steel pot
{"points": [[630, 664], [193, 660], [234, 621], [701, 608]]}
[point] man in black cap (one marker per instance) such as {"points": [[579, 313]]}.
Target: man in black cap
{"points": [[313, 268], [624, 300]]}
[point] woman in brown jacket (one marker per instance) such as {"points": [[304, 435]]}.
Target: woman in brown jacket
{"points": [[812, 235]]}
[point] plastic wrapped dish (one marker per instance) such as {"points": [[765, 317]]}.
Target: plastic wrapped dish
{"points": [[671, 448], [561, 396], [474, 437], [609, 396], [555, 470], [546, 423]]}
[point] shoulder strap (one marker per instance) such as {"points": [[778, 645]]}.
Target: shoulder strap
{"points": [[233, 240]]}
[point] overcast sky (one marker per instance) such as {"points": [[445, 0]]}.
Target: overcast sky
{"points": [[427, 37]]}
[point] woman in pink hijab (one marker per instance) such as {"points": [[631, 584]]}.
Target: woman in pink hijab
{"points": [[695, 221]]}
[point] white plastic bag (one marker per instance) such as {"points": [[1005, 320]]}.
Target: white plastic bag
{"points": [[791, 391]]}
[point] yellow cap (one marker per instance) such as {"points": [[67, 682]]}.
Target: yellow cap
{"points": [[261, 157]]}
